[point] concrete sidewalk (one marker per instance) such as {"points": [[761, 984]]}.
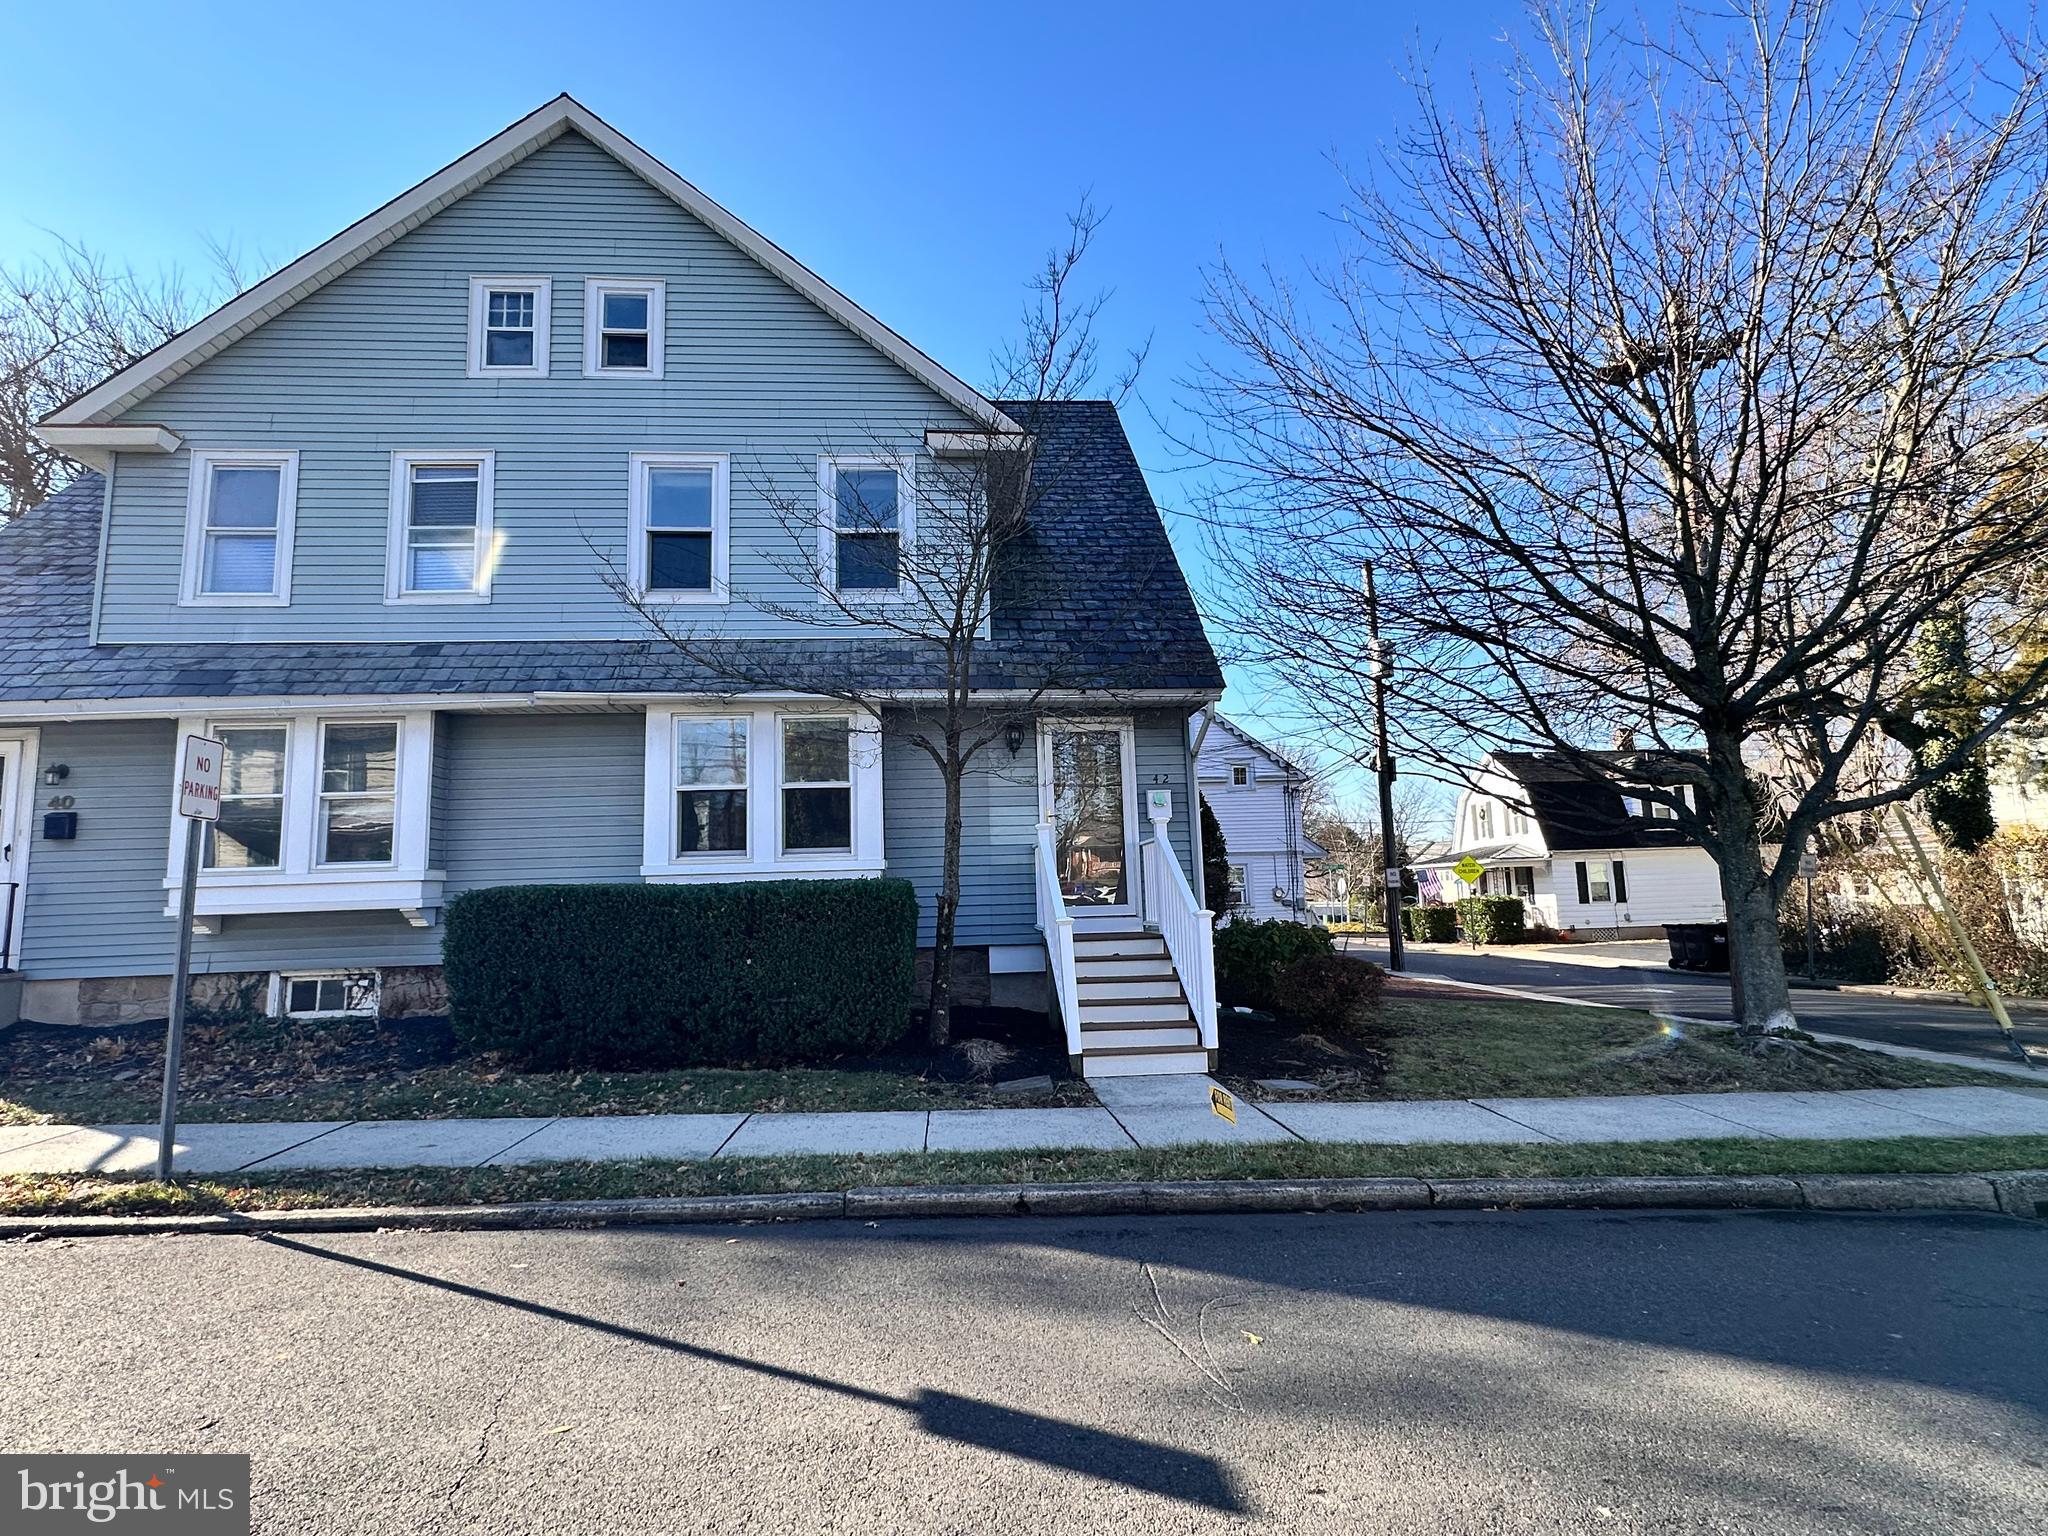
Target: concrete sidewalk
{"points": [[1136, 1112]]}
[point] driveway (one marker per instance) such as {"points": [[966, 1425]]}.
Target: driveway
{"points": [[1955, 1027], [1434, 1372]]}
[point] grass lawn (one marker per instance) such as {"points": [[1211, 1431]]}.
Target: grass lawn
{"points": [[357, 1070], [75, 1194], [1439, 1046]]}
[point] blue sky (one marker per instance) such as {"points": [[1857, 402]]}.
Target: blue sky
{"points": [[920, 157]]}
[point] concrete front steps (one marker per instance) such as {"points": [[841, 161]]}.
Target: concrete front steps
{"points": [[1135, 1020]]}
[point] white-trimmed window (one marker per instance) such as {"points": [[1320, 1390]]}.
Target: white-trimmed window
{"points": [[817, 784], [319, 813], [738, 790], [250, 831], [711, 771], [1240, 775], [508, 327], [622, 327], [239, 513], [1240, 878], [1482, 819], [867, 520], [324, 995], [442, 512], [358, 819], [681, 527]]}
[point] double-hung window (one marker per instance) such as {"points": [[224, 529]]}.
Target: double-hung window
{"points": [[358, 821], [681, 523], [238, 528], [508, 327], [250, 831], [622, 327], [441, 518], [868, 522], [817, 784], [711, 785]]}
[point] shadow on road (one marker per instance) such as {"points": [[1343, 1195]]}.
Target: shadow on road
{"points": [[1122, 1459]]}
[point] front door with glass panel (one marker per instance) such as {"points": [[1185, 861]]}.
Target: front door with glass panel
{"points": [[1087, 788]]}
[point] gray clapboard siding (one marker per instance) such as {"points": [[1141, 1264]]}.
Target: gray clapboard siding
{"points": [[376, 361], [541, 798]]}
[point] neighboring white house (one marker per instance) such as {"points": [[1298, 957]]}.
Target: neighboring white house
{"points": [[1257, 796], [1583, 853]]}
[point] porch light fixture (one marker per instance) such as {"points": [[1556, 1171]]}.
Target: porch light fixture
{"points": [[1014, 738], [56, 774]]}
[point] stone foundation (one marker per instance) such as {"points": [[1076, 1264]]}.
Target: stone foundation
{"points": [[970, 976], [411, 992]]}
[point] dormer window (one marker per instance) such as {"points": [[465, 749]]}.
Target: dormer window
{"points": [[508, 327], [622, 327]]}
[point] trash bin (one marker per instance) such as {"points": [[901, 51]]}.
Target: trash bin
{"points": [[1698, 946]]}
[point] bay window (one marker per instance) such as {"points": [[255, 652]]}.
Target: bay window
{"points": [[745, 790], [318, 813]]}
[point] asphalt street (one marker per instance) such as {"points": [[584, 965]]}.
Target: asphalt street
{"points": [[1956, 1027], [1425, 1372]]}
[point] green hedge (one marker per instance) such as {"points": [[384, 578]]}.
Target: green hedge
{"points": [[644, 976], [1331, 994], [1251, 953], [1430, 925], [1494, 919]]}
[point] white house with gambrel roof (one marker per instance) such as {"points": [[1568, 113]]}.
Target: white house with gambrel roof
{"points": [[1585, 855]]}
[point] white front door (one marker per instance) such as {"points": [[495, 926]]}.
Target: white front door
{"points": [[17, 806], [1088, 789]]}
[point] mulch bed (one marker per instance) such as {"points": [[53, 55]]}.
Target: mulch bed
{"points": [[1257, 1045], [265, 1058]]}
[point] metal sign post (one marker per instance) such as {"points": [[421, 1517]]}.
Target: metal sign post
{"points": [[1378, 660], [198, 803]]}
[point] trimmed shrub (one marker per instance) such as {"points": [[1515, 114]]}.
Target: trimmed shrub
{"points": [[1251, 953], [1493, 919], [648, 976], [1430, 925], [1331, 993]]}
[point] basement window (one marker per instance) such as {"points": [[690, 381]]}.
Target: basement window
{"points": [[328, 995]]}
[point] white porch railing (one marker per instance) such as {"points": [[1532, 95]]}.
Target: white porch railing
{"points": [[1057, 925], [1189, 931]]}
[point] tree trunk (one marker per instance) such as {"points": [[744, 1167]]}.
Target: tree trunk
{"points": [[1756, 960], [939, 1010]]}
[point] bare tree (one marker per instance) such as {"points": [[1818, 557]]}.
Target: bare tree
{"points": [[975, 500], [66, 323], [1668, 389]]}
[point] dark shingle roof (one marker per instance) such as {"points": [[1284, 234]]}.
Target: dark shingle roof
{"points": [[1577, 809], [1093, 599]]}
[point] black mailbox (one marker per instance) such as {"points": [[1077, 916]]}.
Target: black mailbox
{"points": [[60, 826]]}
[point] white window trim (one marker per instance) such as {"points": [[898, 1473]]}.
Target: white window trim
{"points": [[279, 992], [321, 796], [402, 462], [637, 501], [1246, 770], [594, 290], [745, 786], [542, 289], [204, 462], [300, 883], [813, 855], [829, 466], [764, 859]]}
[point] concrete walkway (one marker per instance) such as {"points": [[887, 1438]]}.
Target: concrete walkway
{"points": [[1136, 1112]]}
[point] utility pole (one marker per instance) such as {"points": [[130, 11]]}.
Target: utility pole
{"points": [[1383, 768]]}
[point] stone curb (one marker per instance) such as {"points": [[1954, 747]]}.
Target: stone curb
{"points": [[2018, 1193]]}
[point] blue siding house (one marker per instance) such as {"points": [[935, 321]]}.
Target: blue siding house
{"points": [[410, 527]]}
